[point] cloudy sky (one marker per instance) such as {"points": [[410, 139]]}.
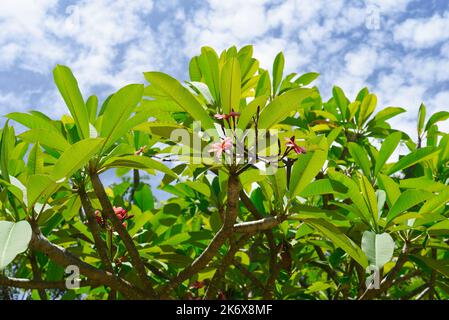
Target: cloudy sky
{"points": [[398, 48]]}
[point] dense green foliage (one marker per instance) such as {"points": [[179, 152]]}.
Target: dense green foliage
{"points": [[335, 210]]}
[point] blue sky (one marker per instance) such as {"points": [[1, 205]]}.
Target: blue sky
{"points": [[398, 48]]}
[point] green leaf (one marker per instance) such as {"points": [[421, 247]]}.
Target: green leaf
{"points": [[436, 202], [75, 157], [339, 239], [35, 163], [230, 86], [39, 188], [92, 108], [341, 100], [366, 108], [323, 186], [278, 69], [263, 87], [137, 162], [386, 150], [436, 117], [144, 198], [360, 157], [407, 200], [208, 63], [181, 96], [119, 109], [378, 248], [386, 114], [370, 197], [4, 151], [435, 265], [14, 239], [282, 106], [412, 158], [68, 87], [250, 111], [421, 118], [194, 69], [353, 193], [391, 188], [46, 137], [307, 167], [32, 121], [306, 78]]}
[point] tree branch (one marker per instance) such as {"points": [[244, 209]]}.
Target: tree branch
{"points": [[124, 235], [95, 229], [219, 274], [218, 240], [258, 225], [37, 276], [64, 258]]}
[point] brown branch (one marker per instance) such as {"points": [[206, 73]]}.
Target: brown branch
{"points": [[95, 229], [274, 267], [258, 225], [120, 229], [219, 274], [249, 275], [218, 240], [37, 276], [64, 258], [331, 272]]}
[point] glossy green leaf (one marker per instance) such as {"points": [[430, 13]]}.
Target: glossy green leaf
{"points": [[68, 87], [360, 157], [119, 109], [386, 150], [378, 248], [412, 158], [75, 157], [339, 239], [14, 239], [407, 200], [181, 96], [282, 106], [230, 86], [278, 69]]}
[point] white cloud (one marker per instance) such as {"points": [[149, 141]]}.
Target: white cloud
{"points": [[109, 43], [423, 32]]}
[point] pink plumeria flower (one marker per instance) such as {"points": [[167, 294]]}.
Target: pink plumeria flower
{"points": [[221, 116], [292, 144], [219, 147]]}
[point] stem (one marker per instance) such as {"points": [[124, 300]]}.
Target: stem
{"points": [[37, 275], [95, 229], [124, 235], [219, 239], [219, 274], [64, 258]]}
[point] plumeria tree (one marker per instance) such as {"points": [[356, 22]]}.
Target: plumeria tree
{"points": [[276, 194]]}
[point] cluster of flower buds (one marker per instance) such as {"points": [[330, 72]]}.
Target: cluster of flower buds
{"points": [[291, 145], [120, 213], [99, 218], [224, 116]]}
